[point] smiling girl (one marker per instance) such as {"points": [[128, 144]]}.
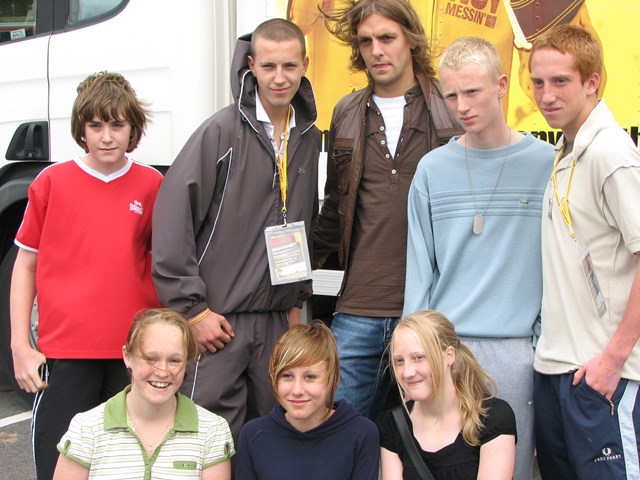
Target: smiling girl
{"points": [[149, 430], [307, 435], [460, 429]]}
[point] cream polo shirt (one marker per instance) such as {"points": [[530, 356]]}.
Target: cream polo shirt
{"points": [[604, 205], [102, 440]]}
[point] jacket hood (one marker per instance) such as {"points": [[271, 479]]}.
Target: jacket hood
{"points": [[240, 64], [243, 87], [343, 414]]}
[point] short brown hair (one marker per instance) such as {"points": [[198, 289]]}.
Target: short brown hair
{"points": [[303, 346], [108, 96], [146, 318], [583, 47], [343, 24], [278, 30]]}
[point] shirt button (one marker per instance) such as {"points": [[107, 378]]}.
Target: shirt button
{"points": [[393, 171], [387, 156], [382, 128], [383, 142]]}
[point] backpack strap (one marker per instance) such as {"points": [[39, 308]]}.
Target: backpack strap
{"points": [[409, 443]]}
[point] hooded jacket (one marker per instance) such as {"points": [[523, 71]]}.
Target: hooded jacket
{"points": [[220, 194], [345, 446]]}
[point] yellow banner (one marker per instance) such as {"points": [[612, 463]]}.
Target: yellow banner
{"points": [[511, 26]]}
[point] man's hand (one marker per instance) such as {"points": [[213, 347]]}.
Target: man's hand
{"points": [[212, 333], [602, 374], [26, 362]]}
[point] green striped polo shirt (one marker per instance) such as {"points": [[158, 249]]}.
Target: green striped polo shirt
{"points": [[103, 441]]}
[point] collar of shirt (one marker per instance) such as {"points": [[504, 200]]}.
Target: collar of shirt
{"points": [[116, 416], [263, 117]]}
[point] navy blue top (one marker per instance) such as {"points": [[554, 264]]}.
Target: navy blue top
{"points": [[346, 446]]}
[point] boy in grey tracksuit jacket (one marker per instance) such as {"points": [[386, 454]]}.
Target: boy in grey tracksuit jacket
{"points": [[209, 252]]}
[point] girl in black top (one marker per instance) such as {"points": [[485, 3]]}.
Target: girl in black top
{"points": [[460, 429]]}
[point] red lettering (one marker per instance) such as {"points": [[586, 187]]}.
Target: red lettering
{"points": [[479, 4], [482, 4], [491, 21], [473, 14], [469, 14], [450, 9]]}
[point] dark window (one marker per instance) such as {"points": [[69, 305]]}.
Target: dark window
{"points": [[17, 20]]}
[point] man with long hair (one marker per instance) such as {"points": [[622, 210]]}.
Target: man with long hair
{"points": [[390, 123]]}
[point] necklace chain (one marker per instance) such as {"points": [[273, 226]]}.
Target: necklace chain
{"points": [[478, 220], [150, 446]]}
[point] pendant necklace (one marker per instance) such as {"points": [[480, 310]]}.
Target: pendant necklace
{"points": [[151, 446], [478, 219]]}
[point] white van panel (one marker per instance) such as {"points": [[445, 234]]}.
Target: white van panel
{"points": [[163, 60], [23, 87]]}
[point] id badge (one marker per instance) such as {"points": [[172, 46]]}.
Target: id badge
{"points": [[288, 253], [592, 282]]}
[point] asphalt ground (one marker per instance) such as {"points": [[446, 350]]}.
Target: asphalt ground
{"points": [[16, 461]]}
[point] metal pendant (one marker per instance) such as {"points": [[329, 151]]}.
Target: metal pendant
{"points": [[478, 224]]}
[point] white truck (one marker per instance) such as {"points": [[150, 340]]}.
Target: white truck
{"points": [[177, 55]]}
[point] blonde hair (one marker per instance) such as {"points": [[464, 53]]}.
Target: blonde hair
{"points": [[472, 50], [303, 346], [473, 385], [146, 318]]}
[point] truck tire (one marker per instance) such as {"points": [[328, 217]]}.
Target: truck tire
{"points": [[6, 360]]}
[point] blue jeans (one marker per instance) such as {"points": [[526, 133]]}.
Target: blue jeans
{"points": [[364, 360]]}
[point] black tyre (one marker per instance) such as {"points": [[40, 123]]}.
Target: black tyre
{"points": [[6, 361]]}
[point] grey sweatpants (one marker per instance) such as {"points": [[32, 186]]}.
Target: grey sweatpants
{"points": [[234, 382], [510, 362]]}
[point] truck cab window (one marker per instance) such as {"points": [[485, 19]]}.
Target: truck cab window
{"points": [[81, 11], [17, 20]]}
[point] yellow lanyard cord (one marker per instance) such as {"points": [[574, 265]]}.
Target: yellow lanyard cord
{"points": [[282, 168], [563, 203]]}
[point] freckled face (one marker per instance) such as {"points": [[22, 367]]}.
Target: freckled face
{"points": [[564, 99], [158, 366]]}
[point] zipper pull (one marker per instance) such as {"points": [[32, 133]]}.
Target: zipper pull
{"points": [[613, 408]]}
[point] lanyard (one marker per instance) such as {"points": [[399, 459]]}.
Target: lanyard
{"points": [[282, 167], [563, 203]]}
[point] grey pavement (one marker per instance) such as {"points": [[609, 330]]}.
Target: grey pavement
{"points": [[16, 461]]}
